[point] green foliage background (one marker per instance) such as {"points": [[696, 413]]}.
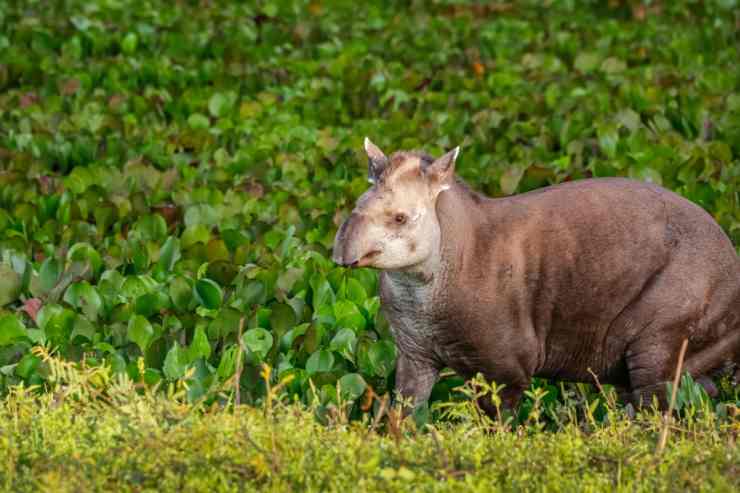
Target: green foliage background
{"points": [[170, 169]]}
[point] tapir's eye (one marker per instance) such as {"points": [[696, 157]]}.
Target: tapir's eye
{"points": [[400, 218]]}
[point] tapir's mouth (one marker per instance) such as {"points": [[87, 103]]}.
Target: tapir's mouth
{"points": [[367, 258]]}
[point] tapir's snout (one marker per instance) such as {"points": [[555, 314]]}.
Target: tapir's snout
{"points": [[341, 253], [350, 246]]}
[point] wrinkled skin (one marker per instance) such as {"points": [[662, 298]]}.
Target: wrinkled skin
{"points": [[601, 277]]}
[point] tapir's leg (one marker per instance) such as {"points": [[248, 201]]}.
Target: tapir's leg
{"points": [[414, 381], [652, 362], [669, 310]]}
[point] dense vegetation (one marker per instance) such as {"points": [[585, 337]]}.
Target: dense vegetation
{"points": [[172, 175]]}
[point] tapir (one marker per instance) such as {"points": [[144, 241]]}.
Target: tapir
{"points": [[591, 279]]}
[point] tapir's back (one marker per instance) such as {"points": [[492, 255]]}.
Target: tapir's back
{"points": [[587, 268]]}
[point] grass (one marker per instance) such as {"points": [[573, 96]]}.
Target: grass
{"points": [[102, 432]]}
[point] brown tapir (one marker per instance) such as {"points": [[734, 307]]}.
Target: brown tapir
{"points": [[601, 275]]}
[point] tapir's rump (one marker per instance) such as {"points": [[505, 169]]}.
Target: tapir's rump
{"points": [[595, 278]]}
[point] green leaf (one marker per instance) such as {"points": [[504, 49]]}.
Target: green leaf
{"points": [[84, 297], [83, 328], [510, 179], [11, 329], [140, 332], [169, 254], [200, 347], [382, 356], [174, 363], [84, 252], [355, 292], [220, 104], [28, 365], [322, 292], [197, 233], [227, 364], [344, 343], [286, 342], [150, 304], [320, 361], [258, 341], [181, 291], [10, 285], [129, 43], [348, 314], [49, 274], [587, 62], [352, 386], [198, 121], [282, 318], [57, 323], [208, 294], [608, 139], [151, 227]]}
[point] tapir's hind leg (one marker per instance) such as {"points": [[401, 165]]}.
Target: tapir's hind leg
{"points": [[701, 305], [652, 361]]}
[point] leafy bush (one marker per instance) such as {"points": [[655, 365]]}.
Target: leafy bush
{"points": [[173, 173]]}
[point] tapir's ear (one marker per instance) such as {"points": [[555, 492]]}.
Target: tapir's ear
{"points": [[376, 161], [442, 171]]}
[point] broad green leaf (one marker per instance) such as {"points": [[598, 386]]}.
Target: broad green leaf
{"points": [[286, 342], [140, 332], [11, 329], [27, 366], [344, 343], [258, 341], [57, 323], [195, 234], [510, 179], [129, 43], [208, 293], [382, 356], [322, 292], [85, 297], [181, 292], [320, 361], [151, 227], [355, 292], [352, 386], [49, 274], [220, 104], [347, 314], [200, 347], [83, 328], [608, 139], [151, 304], [198, 121], [282, 318], [84, 252], [174, 363], [587, 62], [10, 285], [227, 364]]}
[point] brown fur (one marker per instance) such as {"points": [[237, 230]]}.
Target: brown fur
{"points": [[604, 275]]}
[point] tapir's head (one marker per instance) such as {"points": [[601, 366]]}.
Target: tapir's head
{"points": [[394, 224]]}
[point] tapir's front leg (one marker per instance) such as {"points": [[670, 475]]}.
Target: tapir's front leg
{"points": [[414, 381]]}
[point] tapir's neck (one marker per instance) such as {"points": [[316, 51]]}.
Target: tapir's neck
{"points": [[456, 212]]}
